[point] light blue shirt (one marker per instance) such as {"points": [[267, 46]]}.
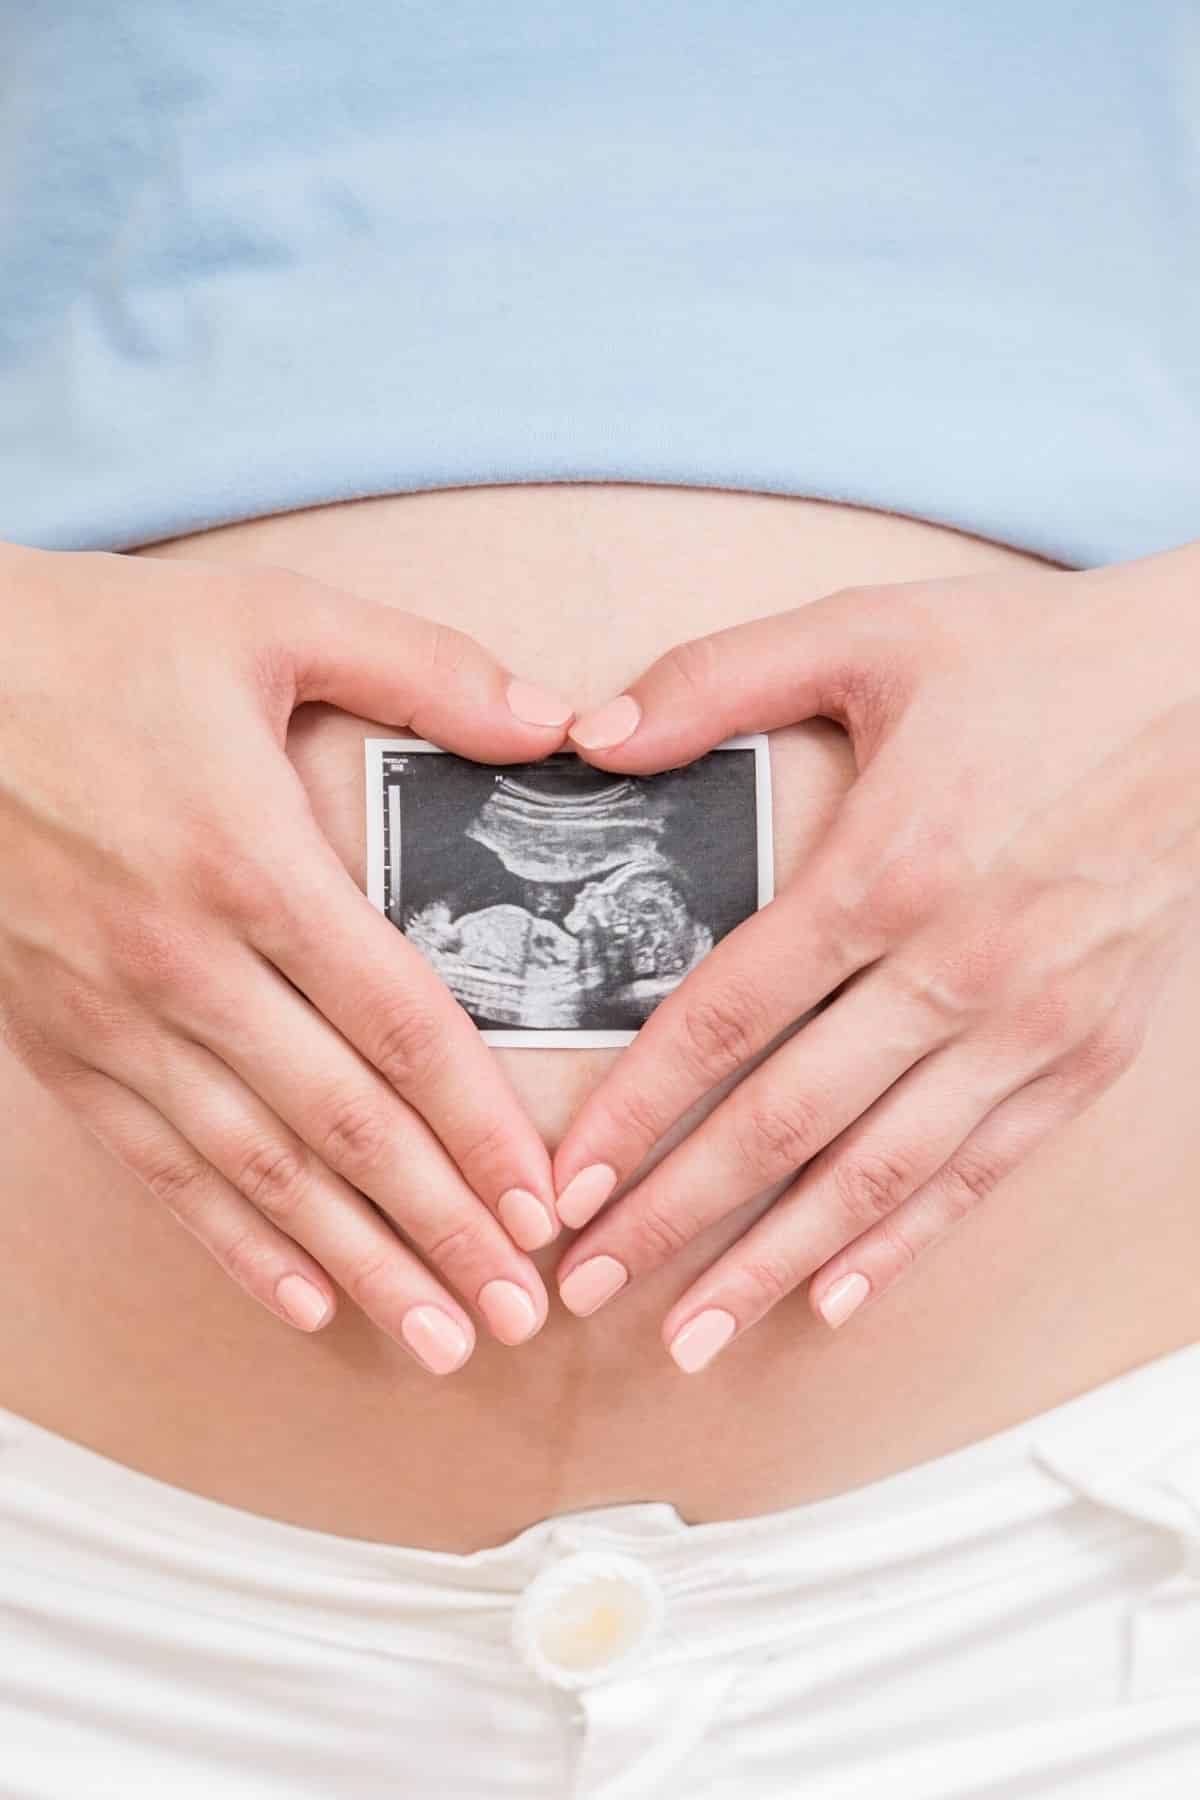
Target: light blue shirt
{"points": [[937, 258]]}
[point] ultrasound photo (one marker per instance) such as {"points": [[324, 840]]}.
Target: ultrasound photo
{"points": [[559, 903]]}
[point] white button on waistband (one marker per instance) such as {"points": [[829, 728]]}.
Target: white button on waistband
{"points": [[587, 1616]]}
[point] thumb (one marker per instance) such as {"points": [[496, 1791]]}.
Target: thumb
{"points": [[824, 659], [415, 673]]}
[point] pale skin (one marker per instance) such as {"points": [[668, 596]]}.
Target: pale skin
{"points": [[1001, 935], [188, 967], [1000, 941]]}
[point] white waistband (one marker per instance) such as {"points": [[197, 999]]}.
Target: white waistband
{"points": [[1012, 1500]]}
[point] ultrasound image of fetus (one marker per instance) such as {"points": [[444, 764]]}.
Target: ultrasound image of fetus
{"points": [[554, 896]]}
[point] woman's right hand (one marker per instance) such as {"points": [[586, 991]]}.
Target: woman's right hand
{"points": [[188, 966]]}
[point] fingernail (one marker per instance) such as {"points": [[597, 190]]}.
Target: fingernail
{"points": [[434, 1338], [508, 1310], [526, 1220], [304, 1304], [700, 1339], [535, 706], [592, 1283], [585, 1194], [843, 1297], [607, 725]]}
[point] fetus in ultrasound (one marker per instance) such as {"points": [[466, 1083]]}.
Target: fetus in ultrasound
{"points": [[553, 896]]}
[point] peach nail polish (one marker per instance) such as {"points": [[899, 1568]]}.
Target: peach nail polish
{"points": [[592, 1283], [434, 1338], [509, 1311], [607, 725], [697, 1342], [535, 706], [585, 1194], [304, 1304], [843, 1297], [526, 1220]]}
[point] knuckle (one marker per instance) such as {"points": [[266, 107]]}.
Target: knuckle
{"points": [[78, 1086], [723, 1029], [872, 1185], [884, 892], [1044, 1020], [1106, 1054], [409, 1049], [178, 1181], [369, 1277], [964, 984], [151, 953], [457, 1247], [661, 1233], [896, 895], [353, 1137], [902, 1249], [693, 663], [270, 661], [91, 1015], [767, 1280], [870, 693], [446, 649], [780, 1134], [211, 1009], [274, 1178], [954, 992], [969, 1178], [638, 1113], [237, 886], [487, 1147]]}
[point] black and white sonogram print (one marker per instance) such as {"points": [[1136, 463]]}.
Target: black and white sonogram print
{"points": [[552, 896]]}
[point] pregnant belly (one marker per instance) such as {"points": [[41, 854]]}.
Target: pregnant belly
{"points": [[118, 1330]]}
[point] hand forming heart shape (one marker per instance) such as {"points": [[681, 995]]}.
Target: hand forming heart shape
{"points": [[997, 936]]}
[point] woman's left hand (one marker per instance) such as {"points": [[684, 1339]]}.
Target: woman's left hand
{"points": [[1002, 892]]}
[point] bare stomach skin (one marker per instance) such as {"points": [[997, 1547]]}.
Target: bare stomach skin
{"points": [[119, 1331]]}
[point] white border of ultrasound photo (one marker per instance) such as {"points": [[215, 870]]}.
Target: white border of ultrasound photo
{"points": [[376, 748]]}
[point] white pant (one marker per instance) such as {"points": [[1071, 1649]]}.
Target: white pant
{"points": [[1018, 1620]]}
